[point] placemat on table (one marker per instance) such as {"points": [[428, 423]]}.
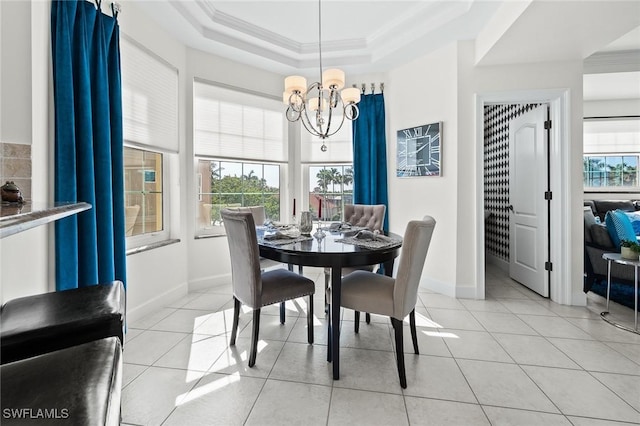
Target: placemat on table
{"points": [[376, 242], [282, 240]]}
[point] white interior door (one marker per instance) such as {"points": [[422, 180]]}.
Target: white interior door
{"points": [[528, 220]]}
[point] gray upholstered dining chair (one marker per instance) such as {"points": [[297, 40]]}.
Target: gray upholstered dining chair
{"points": [[255, 288], [259, 217], [370, 216], [396, 298]]}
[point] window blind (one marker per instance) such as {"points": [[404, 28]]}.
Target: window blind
{"points": [[149, 98], [612, 136], [232, 124], [339, 146]]}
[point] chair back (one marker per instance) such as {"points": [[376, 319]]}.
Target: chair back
{"points": [[371, 216], [245, 256], [417, 238], [258, 212]]}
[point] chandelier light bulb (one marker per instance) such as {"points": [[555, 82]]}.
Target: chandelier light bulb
{"points": [[333, 79], [313, 104], [350, 95], [295, 83]]}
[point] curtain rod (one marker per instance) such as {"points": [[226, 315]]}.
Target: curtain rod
{"points": [[116, 7], [363, 87]]}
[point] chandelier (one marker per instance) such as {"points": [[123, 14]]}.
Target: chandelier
{"points": [[323, 101]]}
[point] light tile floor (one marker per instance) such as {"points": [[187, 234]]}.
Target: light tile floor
{"points": [[512, 359]]}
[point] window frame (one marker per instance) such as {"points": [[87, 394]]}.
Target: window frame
{"points": [[219, 231], [611, 136], [151, 238], [608, 188], [156, 136], [306, 179]]}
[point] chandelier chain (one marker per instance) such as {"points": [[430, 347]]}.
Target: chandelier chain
{"points": [[320, 35], [321, 110]]}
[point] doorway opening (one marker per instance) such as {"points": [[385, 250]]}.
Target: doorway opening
{"points": [[559, 164], [516, 180]]}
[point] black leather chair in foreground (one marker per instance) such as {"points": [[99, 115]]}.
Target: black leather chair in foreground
{"points": [[80, 385], [42, 323]]}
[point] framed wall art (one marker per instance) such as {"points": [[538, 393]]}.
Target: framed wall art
{"points": [[419, 151]]}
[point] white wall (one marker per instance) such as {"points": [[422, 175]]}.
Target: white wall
{"points": [[15, 57], [422, 92], [539, 77], [24, 73], [443, 86]]}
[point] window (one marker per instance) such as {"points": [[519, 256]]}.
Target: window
{"points": [[234, 184], [331, 185], [328, 175], [610, 171], [241, 149], [150, 118], [611, 154], [143, 174]]}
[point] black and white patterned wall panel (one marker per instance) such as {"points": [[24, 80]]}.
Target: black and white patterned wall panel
{"points": [[496, 175]]}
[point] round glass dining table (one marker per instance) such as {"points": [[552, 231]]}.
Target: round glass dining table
{"points": [[330, 252]]}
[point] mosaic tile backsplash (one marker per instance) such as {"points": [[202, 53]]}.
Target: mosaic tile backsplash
{"points": [[15, 165]]}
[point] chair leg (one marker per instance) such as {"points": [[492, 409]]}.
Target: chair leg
{"points": [[356, 319], [282, 311], [397, 326], [367, 317], [414, 336], [329, 341], [327, 278], [236, 315], [310, 320], [254, 337]]}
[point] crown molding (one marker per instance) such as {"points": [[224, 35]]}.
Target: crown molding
{"points": [[613, 61]]}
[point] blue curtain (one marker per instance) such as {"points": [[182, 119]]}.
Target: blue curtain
{"points": [[90, 246], [370, 154]]}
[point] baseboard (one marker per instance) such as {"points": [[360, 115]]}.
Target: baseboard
{"points": [[466, 292], [210, 281], [579, 299], [438, 286], [496, 261], [156, 303]]}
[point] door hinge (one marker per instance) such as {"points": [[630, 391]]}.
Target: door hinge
{"points": [[548, 266], [548, 195], [547, 124]]}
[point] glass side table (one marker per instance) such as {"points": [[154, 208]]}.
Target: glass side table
{"points": [[617, 258]]}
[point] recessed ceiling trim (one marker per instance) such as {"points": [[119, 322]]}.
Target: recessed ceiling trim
{"points": [[424, 17], [263, 36], [613, 61], [247, 29], [235, 42]]}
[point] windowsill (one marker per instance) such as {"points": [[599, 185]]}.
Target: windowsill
{"points": [[612, 191], [152, 246], [204, 236]]}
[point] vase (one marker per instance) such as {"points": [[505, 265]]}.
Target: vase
{"points": [[629, 254], [306, 223]]}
